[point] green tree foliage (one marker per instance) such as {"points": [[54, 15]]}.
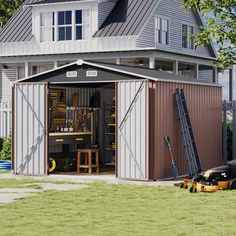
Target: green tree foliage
{"points": [[5, 153], [7, 9], [220, 16]]}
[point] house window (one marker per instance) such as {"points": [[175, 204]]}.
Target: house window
{"points": [[79, 26], [161, 31], [82, 24], [47, 27], [64, 21], [65, 25], [187, 30]]}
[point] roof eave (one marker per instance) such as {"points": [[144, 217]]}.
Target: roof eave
{"points": [[80, 62], [57, 3]]}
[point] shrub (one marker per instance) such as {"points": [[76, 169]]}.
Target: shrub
{"points": [[6, 149]]}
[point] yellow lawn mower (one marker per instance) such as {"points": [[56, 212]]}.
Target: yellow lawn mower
{"points": [[218, 178]]}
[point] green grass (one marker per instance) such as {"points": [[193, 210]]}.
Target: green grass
{"points": [[4, 172], [121, 210]]}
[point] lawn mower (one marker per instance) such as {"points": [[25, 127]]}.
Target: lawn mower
{"points": [[218, 178]]}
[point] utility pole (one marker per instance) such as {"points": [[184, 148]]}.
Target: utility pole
{"points": [[231, 84]]}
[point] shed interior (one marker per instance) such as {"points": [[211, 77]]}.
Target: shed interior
{"points": [[81, 116]]}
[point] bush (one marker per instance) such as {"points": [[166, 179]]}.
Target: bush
{"points": [[5, 153]]}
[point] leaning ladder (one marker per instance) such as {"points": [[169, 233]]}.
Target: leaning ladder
{"points": [[190, 146]]}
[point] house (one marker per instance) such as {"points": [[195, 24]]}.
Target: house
{"points": [[47, 35]]}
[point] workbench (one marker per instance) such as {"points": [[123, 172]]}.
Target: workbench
{"points": [[81, 139]]}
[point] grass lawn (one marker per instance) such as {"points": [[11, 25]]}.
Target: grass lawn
{"points": [[4, 172], [119, 210]]}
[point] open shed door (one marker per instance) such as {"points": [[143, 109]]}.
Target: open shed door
{"points": [[30, 128], [132, 129]]}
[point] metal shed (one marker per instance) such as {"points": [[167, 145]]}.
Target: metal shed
{"points": [[145, 114]]}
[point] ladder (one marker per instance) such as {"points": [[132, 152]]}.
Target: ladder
{"points": [[190, 146]]}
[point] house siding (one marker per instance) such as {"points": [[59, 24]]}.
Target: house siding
{"points": [[172, 10], [8, 77], [0, 83], [104, 9]]}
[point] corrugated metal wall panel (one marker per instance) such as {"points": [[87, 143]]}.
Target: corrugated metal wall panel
{"points": [[84, 100], [83, 93], [204, 103], [132, 122], [30, 129], [8, 77]]}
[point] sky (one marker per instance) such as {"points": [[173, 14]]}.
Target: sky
{"points": [[224, 81]]}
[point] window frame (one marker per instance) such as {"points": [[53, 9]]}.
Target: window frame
{"points": [[44, 27], [189, 42], [159, 32], [64, 26], [71, 34], [79, 25], [83, 24]]}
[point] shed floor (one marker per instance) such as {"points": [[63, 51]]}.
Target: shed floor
{"points": [[83, 173]]}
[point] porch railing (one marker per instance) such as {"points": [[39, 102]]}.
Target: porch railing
{"points": [[106, 44], [5, 118]]}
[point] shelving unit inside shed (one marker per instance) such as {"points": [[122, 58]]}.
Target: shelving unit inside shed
{"points": [[82, 117], [109, 119]]}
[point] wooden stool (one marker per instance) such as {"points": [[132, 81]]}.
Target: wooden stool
{"points": [[88, 161]]}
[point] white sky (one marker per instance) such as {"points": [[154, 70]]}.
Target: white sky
{"points": [[224, 80]]}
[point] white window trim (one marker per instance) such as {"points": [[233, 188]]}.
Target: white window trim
{"points": [[168, 32], [188, 34], [83, 24], [91, 6]]}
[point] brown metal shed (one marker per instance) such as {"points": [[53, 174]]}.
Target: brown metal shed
{"points": [[204, 104], [146, 112]]}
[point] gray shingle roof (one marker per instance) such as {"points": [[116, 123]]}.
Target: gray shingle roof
{"points": [[127, 18]]}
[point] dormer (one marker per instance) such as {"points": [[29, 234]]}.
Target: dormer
{"points": [[55, 21]]}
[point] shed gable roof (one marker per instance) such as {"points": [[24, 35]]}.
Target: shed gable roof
{"points": [[132, 72]]}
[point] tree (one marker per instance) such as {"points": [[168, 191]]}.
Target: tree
{"points": [[7, 9], [220, 16]]}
